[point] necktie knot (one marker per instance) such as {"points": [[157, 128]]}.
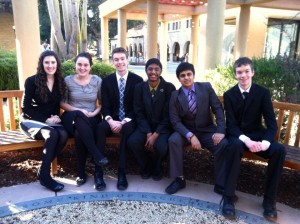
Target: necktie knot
{"points": [[245, 95], [152, 92]]}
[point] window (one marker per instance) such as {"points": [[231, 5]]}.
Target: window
{"points": [[282, 38]]}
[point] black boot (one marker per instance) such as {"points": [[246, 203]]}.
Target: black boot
{"points": [[99, 183], [47, 181]]}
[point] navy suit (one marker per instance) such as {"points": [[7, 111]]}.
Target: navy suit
{"points": [[245, 117], [152, 115], [202, 125], [110, 107]]}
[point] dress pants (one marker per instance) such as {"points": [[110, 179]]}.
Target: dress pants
{"points": [[136, 143], [176, 152], [275, 155], [103, 130]]}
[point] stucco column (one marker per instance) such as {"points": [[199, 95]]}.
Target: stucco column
{"points": [[258, 29], [194, 40], [152, 27], [122, 28], [26, 22], [202, 45], [214, 32], [163, 45], [242, 32], [104, 40]]}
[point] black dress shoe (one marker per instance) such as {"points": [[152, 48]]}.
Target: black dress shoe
{"points": [[175, 186], [80, 181], [146, 173], [101, 162], [220, 190], [270, 212], [122, 183], [49, 183], [228, 209], [99, 184]]}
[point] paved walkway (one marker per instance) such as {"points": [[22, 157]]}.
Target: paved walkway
{"points": [[26, 197]]}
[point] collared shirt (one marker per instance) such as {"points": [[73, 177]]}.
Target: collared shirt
{"points": [[186, 91], [155, 88], [124, 77]]}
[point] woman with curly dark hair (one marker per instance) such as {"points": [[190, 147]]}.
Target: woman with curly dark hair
{"points": [[40, 117]]}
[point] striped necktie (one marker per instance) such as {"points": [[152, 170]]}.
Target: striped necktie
{"points": [[121, 90], [192, 103]]}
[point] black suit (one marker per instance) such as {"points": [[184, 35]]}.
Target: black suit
{"points": [[110, 107], [244, 117], [152, 115], [202, 125]]}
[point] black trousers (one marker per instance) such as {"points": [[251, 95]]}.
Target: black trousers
{"points": [[275, 156], [103, 130], [136, 143]]}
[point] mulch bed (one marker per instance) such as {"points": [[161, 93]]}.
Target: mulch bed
{"points": [[20, 167]]}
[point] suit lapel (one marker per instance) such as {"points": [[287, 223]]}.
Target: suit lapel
{"points": [[115, 84], [183, 100], [159, 92], [147, 95]]}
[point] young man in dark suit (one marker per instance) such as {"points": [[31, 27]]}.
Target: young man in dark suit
{"points": [[149, 142], [191, 109], [245, 105], [117, 110]]}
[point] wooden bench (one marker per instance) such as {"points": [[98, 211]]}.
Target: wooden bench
{"points": [[11, 138]]}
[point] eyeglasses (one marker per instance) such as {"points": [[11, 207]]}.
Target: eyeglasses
{"points": [[189, 74]]}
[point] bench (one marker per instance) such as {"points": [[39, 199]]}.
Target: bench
{"points": [[11, 138]]}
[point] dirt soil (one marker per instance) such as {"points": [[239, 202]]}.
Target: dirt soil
{"points": [[20, 167]]}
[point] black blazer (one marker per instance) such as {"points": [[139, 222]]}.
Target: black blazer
{"points": [[207, 104], [110, 95], [152, 113], [247, 119]]}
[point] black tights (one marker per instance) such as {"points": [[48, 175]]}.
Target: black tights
{"points": [[85, 141], [55, 140]]}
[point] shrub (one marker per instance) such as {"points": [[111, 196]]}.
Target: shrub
{"points": [[99, 69], [280, 75], [68, 67], [102, 69], [8, 71]]}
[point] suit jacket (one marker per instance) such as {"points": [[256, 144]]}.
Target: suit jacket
{"points": [[207, 103], [110, 98], [152, 113], [246, 118]]}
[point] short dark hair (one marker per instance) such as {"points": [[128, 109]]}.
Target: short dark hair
{"points": [[243, 61], [153, 61], [119, 50], [85, 55], [184, 66]]}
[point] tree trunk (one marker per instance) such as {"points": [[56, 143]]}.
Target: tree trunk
{"points": [[73, 14], [57, 29], [84, 26]]}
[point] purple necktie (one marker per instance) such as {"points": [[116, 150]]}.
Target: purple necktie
{"points": [[192, 103]]}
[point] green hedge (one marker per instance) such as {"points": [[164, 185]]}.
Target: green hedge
{"points": [[98, 68], [9, 70], [280, 75]]}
